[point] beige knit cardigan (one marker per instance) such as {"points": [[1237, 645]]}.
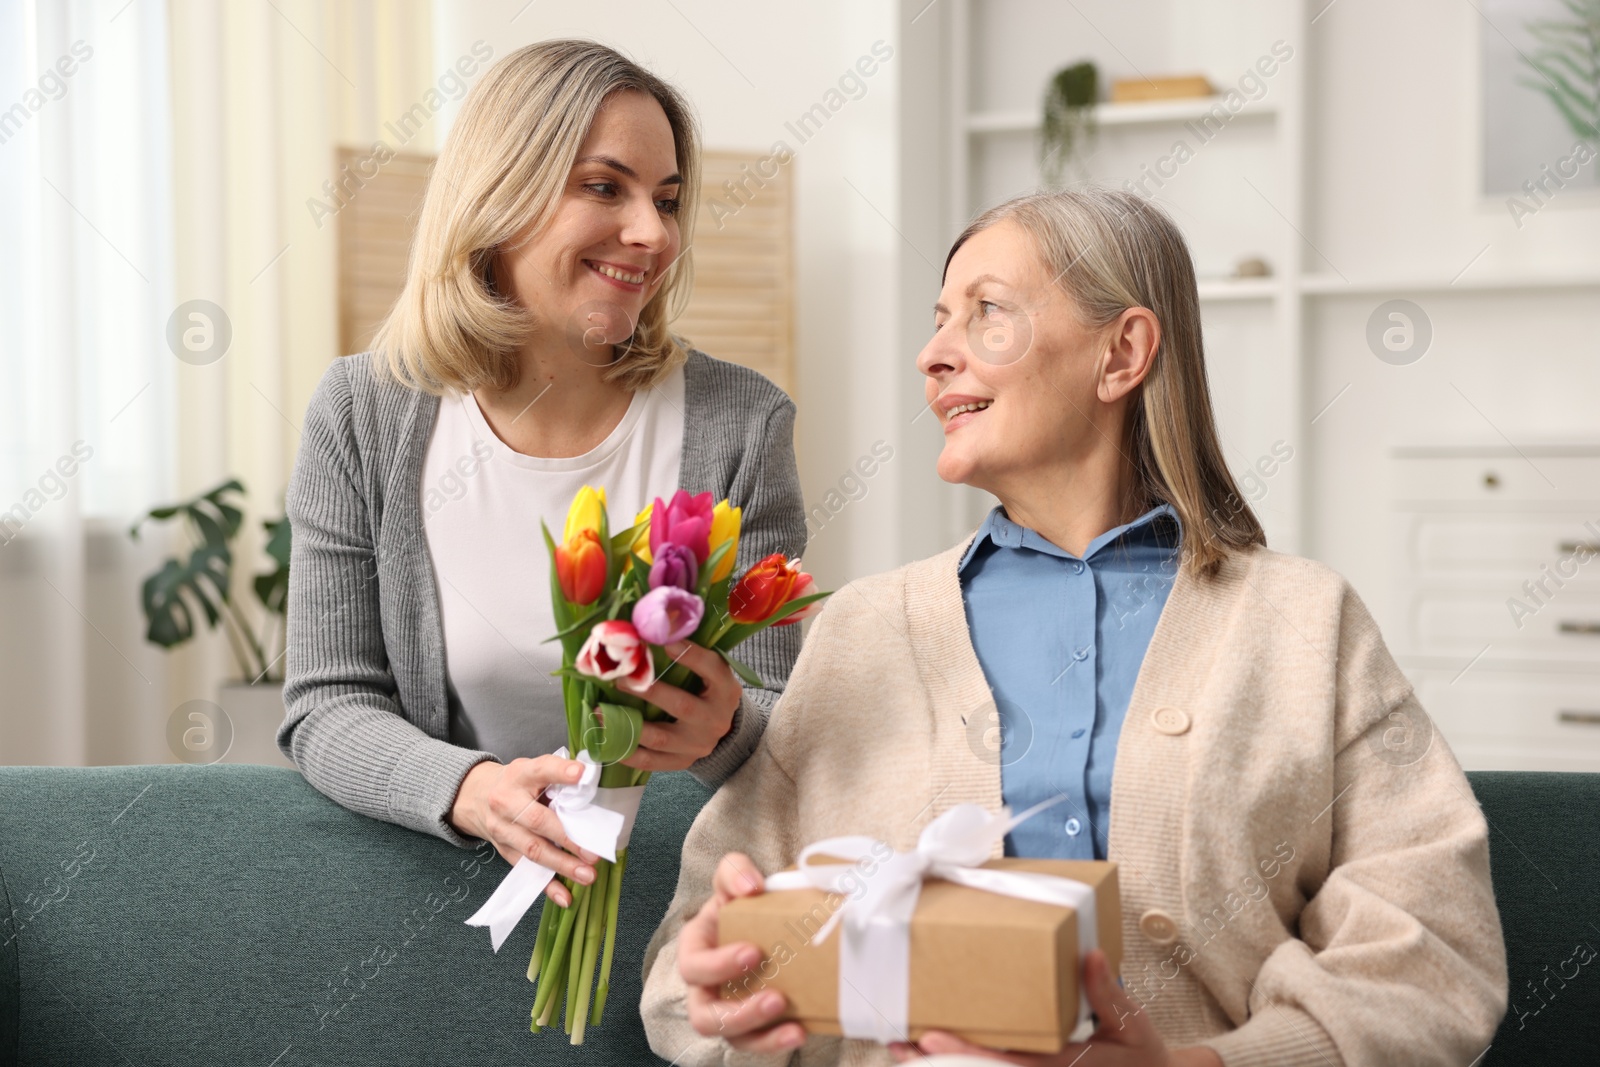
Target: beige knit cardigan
{"points": [[1304, 871]]}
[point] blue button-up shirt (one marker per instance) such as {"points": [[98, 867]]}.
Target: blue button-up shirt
{"points": [[1061, 639]]}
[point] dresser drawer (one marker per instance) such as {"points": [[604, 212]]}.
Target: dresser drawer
{"points": [[1507, 720], [1449, 545], [1453, 622], [1497, 476]]}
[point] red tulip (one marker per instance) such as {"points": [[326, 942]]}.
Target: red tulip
{"points": [[581, 567], [804, 585], [765, 588]]}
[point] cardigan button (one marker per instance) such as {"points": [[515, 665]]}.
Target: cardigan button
{"points": [[1158, 926], [1170, 721]]}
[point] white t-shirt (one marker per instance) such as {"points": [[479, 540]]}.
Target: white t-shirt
{"points": [[481, 506]]}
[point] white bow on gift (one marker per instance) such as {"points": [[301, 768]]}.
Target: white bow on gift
{"points": [[875, 952], [600, 820]]}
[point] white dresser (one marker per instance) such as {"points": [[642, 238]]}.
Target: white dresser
{"points": [[1497, 552]]}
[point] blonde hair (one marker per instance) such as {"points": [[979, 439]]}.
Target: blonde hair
{"points": [[1111, 250], [505, 166]]}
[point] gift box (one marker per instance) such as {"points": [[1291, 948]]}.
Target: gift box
{"points": [[997, 970]]}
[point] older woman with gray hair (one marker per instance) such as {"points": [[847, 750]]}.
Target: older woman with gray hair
{"points": [[1298, 885], [528, 355]]}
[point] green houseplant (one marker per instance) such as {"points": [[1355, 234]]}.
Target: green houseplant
{"points": [[203, 583], [1567, 63], [1069, 124]]}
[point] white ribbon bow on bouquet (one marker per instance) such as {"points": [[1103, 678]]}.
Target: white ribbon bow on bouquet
{"points": [[598, 819], [875, 953]]}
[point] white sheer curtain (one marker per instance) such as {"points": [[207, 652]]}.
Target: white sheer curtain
{"points": [[86, 378]]}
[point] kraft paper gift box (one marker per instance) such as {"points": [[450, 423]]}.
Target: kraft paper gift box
{"points": [[999, 971]]}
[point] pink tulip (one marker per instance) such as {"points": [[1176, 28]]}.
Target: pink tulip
{"points": [[667, 614], [615, 652], [685, 521]]}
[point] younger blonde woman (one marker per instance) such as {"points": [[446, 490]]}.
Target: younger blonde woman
{"points": [[1304, 873], [529, 355]]}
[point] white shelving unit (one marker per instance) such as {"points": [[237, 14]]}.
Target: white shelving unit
{"points": [[1154, 113]]}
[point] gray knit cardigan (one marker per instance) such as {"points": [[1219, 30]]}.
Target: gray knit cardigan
{"points": [[367, 716]]}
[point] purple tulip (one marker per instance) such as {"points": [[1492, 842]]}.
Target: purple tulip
{"points": [[675, 565], [667, 614]]}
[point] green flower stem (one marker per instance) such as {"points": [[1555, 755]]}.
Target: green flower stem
{"points": [[591, 949], [550, 1008], [575, 954], [558, 951], [613, 903], [541, 942], [552, 974], [572, 692]]}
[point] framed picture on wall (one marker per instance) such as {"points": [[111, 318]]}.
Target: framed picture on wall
{"points": [[1539, 72]]}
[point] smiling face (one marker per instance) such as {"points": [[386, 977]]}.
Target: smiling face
{"points": [[606, 251], [1012, 371]]}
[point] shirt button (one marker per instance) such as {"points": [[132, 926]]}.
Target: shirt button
{"points": [[1077, 566], [1080, 655], [1158, 926], [1073, 826], [1077, 733], [1170, 721]]}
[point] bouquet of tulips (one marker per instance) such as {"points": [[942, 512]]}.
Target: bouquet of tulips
{"points": [[618, 599]]}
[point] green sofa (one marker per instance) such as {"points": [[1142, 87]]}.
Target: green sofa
{"points": [[233, 915]]}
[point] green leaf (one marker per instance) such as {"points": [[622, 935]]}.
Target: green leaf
{"points": [[612, 566], [746, 675], [1568, 65], [743, 631], [612, 694], [272, 587], [166, 594], [588, 619], [703, 586], [621, 542], [560, 607], [232, 517], [614, 734], [278, 539]]}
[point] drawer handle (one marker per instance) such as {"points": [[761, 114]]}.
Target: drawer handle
{"points": [[1568, 627], [1572, 548], [1580, 718]]}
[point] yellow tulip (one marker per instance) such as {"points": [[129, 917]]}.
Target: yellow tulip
{"points": [[725, 528], [584, 514], [641, 542]]}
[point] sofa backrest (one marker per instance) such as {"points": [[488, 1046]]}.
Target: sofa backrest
{"points": [[191, 916], [1546, 861], [200, 915]]}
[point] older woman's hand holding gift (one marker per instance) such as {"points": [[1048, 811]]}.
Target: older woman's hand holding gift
{"points": [[745, 1023]]}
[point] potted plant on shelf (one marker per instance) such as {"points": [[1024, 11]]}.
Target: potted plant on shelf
{"points": [[202, 584], [1069, 125]]}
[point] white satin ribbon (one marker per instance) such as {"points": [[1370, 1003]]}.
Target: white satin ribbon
{"points": [[598, 819], [875, 950]]}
